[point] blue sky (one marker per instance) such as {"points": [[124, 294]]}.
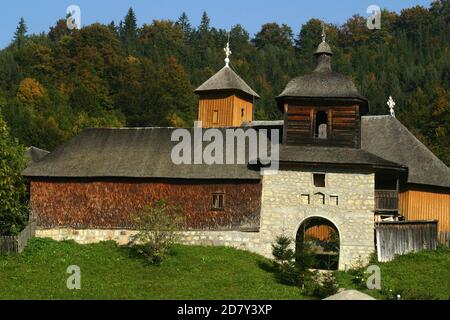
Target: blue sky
{"points": [[40, 15]]}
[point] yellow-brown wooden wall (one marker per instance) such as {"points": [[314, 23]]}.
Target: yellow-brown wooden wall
{"points": [[229, 108], [426, 205]]}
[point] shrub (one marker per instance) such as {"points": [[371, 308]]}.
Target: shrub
{"points": [[157, 225], [322, 285], [359, 275]]}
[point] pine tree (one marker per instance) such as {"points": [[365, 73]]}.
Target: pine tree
{"points": [[129, 32], [185, 25], [20, 34], [204, 27]]}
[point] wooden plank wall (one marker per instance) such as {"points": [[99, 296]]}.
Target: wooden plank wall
{"points": [[239, 104], [426, 205], [343, 126], [16, 244], [399, 238], [321, 232], [110, 204], [224, 106], [229, 108]]}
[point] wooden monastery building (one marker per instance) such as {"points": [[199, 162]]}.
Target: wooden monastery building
{"points": [[340, 170]]}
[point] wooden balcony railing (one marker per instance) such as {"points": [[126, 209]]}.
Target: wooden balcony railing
{"points": [[386, 200]]}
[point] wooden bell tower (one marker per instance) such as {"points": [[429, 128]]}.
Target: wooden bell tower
{"points": [[225, 99]]}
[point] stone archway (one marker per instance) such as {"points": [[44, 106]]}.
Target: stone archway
{"points": [[323, 238]]}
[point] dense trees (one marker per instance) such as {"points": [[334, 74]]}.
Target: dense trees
{"points": [[13, 213], [54, 85]]}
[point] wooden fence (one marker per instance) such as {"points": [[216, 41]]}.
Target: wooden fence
{"points": [[444, 238], [402, 237], [16, 244]]}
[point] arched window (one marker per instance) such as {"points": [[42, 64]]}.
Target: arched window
{"points": [[321, 125]]}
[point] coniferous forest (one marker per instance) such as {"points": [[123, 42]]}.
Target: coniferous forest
{"points": [[55, 84]]}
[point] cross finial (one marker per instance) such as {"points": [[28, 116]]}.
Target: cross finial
{"points": [[391, 104], [227, 53], [324, 36]]}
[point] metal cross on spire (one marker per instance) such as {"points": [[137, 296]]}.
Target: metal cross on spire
{"points": [[324, 36], [391, 104], [227, 53]]}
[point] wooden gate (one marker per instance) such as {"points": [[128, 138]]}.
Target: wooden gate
{"points": [[402, 237]]}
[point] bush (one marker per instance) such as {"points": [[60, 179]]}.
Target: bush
{"points": [[322, 285], [359, 275], [157, 225]]}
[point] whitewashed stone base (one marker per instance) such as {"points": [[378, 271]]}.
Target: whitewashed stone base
{"points": [[249, 241]]}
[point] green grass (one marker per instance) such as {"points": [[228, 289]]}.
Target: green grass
{"points": [[422, 275], [112, 272], [191, 272]]}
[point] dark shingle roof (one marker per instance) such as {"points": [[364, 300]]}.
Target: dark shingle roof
{"points": [[226, 79], [323, 83], [145, 152], [386, 137], [33, 154], [334, 156], [131, 153]]}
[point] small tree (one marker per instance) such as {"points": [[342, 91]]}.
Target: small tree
{"points": [[284, 260], [157, 225], [293, 267]]}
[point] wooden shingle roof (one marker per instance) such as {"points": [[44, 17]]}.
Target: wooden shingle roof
{"points": [[226, 79]]}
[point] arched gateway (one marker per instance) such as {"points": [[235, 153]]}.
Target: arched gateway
{"points": [[322, 237]]}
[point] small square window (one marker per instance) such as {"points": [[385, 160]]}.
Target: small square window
{"points": [[319, 180], [217, 201]]}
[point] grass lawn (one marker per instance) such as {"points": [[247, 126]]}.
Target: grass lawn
{"points": [[112, 272], [422, 275], [191, 272]]}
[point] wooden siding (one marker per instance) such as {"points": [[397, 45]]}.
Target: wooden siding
{"points": [[322, 232], [109, 204], [343, 126], [399, 238], [229, 108], [416, 204]]}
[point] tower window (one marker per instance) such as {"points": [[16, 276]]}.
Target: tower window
{"points": [[215, 117], [218, 201], [242, 114], [321, 125], [319, 180]]}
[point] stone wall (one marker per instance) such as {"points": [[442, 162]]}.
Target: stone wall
{"points": [[237, 239], [347, 201]]}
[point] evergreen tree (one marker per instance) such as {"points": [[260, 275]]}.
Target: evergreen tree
{"points": [[20, 34], [129, 32], [185, 25], [204, 27]]}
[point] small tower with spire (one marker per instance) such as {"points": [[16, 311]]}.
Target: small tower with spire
{"points": [[323, 107], [225, 100]]}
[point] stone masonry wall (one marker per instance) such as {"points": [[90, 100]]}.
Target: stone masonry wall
{"points": [[349, 205]]}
